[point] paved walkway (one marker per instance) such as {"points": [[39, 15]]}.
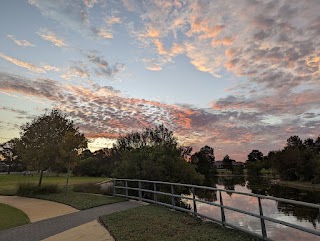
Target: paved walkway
{"points": [[43, 229], [37, 209]]}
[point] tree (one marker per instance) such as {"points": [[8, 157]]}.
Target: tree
{"points": [[255, 155], [309, 143], [45, 139], [72, 142], [204, 161], [227, 162], [159, 135], [9, 152], [294, 142], [152, 154]]}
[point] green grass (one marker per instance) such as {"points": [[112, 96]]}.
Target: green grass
{"points": [[224, 172], [79, 201], [309, 186], [157, 223], [11, 217], [9, 183]]}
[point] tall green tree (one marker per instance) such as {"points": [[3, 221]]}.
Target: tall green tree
{"points": [[227, 162], [204, 161], [43, 141], [72, 143], [153, 154], [255, 155], [294, 142], [158, 135], [9, 152]]}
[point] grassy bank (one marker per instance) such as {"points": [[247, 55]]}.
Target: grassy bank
{"points": [[9, 183], [11, 217], [78, 200], [308, 186], [161, 224]]}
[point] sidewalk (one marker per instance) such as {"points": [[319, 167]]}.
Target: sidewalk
{"points": [[37, 209], [55, 226]]}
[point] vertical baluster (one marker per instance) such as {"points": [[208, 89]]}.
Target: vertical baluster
{"points": [[223, 217], [113, 187], [194, 201], [154, 194], [127, 188], [172, 197], [140, 193], [263, 225]]}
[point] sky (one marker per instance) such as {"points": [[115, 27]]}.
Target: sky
{"points": [[234, 75]]}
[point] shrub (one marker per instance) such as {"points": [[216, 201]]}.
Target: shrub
{"points": [[30, 189]]}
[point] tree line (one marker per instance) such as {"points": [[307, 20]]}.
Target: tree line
{"points": [[298, 160], [52, 141]]}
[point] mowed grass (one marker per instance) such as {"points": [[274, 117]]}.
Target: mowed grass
{"points": [[158, 223], [79, 200], [9, 183], [11, 217]]}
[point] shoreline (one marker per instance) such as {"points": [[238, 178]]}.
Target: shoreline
{"points": [[308, 186]]}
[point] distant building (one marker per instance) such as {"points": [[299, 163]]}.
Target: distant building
{"points": [[220, 165]]}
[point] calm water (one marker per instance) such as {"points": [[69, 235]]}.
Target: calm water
{"points": [[306, 217]]}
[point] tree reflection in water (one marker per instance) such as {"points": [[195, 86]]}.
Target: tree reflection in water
{"points": [[263, 186]]}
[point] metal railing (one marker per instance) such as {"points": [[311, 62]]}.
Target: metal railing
{"points": [[122, 184]]}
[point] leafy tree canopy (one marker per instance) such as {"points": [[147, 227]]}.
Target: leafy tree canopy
{"points": [[152, 154], [47, 138], [255, 155], [159, 135]]}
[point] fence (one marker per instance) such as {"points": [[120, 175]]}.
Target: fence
{"points": [[122, 184]]}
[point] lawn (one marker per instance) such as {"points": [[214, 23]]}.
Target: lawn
{"points": [[80, 201], [9, 183], [11, 217], [162, 224]]}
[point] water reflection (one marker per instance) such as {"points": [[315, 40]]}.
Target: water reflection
{"points": [[295, 214]]}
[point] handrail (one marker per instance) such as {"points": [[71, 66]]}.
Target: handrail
{"points": [[194, 200]]}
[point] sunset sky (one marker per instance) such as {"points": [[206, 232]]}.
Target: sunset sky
{"points": [[234, 75]]}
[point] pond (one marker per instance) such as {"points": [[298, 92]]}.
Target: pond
{"points": [[302, 216]]}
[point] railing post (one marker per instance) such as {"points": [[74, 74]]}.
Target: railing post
{"points": [[172, 197], [113, 187], [263, 225], [126, 188], [154, 194], [194, 201], [223, 217], [140, 193]]}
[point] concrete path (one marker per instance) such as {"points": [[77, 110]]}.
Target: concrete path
{"points": [[46, 228], [90, 231], [37, 209]]}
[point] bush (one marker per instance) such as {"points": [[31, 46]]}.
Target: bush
{"points": [[30, 189]]}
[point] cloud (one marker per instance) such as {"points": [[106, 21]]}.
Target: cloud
{"points": [[20, 112], [75, 15], [22, 64], [89, 3], [112, 20], [23, 43], [68, 13], [40, 88], [51, 68], [102, 67], [77, 70], [270, 33], [102, 33], [51, 37], [102, 111]]}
